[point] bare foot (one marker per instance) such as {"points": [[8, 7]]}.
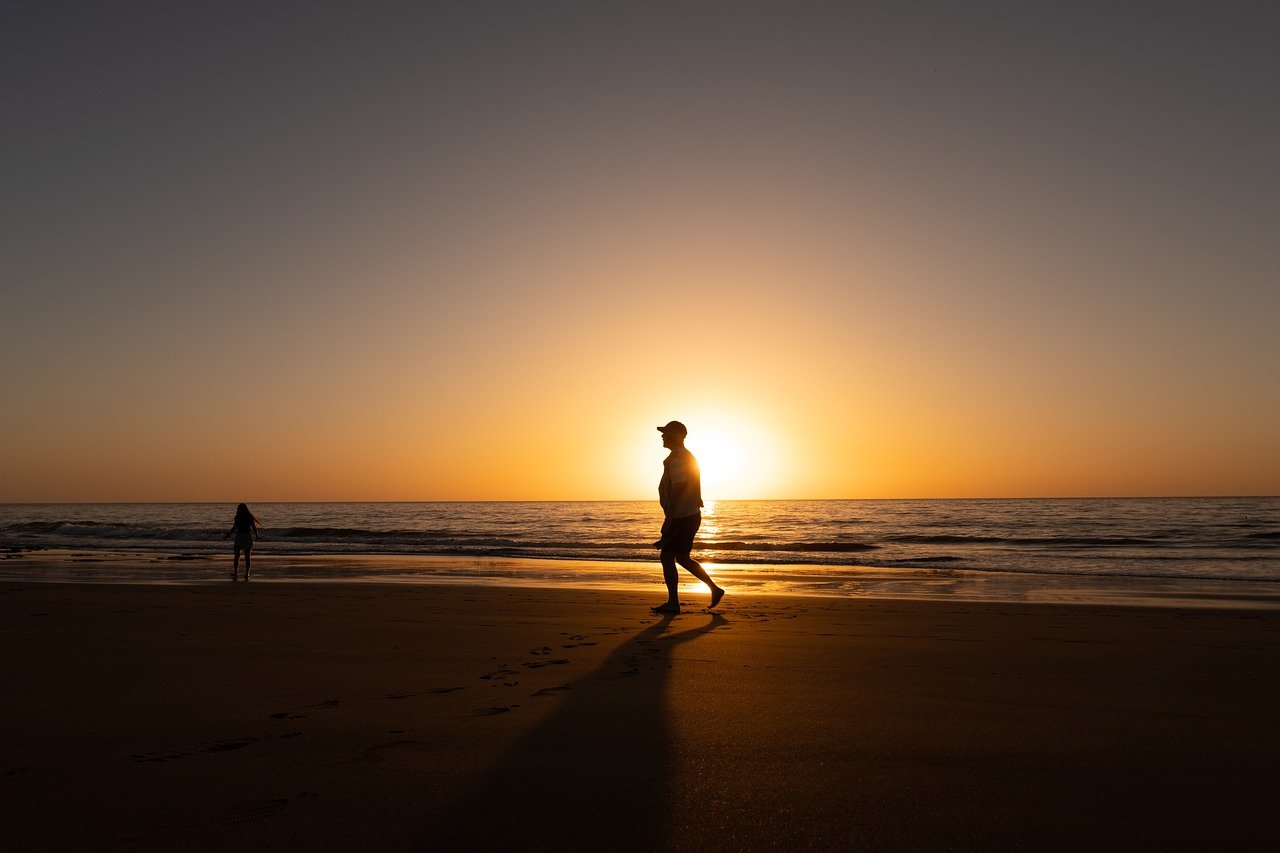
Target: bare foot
{"points": [[716, 594], [666, 608]]}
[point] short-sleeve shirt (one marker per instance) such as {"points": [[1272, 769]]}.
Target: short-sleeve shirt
{"points": [[680, 489]]}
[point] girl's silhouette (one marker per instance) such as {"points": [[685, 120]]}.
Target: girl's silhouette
{"points": [[245, 529]]}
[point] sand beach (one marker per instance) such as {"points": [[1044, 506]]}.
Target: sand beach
{"points": [[341, 716]]}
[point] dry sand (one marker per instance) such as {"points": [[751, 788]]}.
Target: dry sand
{"points": [[369, 716]]}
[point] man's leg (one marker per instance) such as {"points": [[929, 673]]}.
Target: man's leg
{"points": [[672, 579], [695, 568]]}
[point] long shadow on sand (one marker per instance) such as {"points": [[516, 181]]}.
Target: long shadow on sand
{"points": [[596, 773]]}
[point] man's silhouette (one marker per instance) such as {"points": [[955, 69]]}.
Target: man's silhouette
{"points": [[680, 493]]}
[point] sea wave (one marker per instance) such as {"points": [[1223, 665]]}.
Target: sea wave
{"points": [[106, 530], [54, 533], [1158, 541], [822, 547]]}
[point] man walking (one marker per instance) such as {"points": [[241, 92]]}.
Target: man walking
{"points": [[680, 493]]}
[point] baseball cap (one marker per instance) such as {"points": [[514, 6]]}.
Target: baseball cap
{"points": [[674, 427]]}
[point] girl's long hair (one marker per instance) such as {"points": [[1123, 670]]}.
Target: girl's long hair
{"points": [[245, 520]]}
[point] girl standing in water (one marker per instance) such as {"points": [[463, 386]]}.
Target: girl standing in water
{"points": [[245, 529]]}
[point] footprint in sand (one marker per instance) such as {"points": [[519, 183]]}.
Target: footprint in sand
{"points": [[292, 713], [155, 757], [374, 753], [541, 663], [255, 810], [228, 745], [552, 691], [435, 691]]}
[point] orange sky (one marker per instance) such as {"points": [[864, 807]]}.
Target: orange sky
{"points": [[884, 257]]}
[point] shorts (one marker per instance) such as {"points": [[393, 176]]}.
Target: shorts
{"points": [[678, 533], [244, 543]]}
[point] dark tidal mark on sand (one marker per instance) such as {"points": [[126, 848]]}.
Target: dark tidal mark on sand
{"points": [[327, 703], [287, 715], [493, 711], [575, 645]]}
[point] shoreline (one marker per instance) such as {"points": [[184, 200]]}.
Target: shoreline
{"points": [[79, 566]]}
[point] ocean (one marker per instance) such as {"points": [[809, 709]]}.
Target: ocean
{"points": [[810, 542]]}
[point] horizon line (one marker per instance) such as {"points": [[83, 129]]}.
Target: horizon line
{"points": [[651, 500]]}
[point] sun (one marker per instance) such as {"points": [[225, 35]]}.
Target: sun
{"points": [[722, 460], [734, 458]]}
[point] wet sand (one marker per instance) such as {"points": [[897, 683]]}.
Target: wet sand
{"points": [[898, 583], [380, 715]]}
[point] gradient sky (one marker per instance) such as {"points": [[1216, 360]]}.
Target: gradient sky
{"points": [[478, 250]]}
